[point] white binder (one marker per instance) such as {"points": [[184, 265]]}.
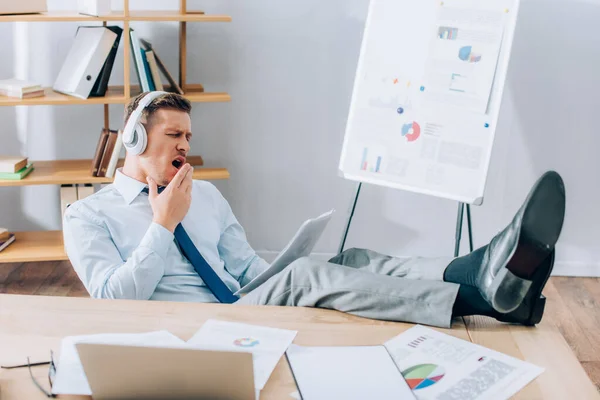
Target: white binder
{"points": [[85, 60]]}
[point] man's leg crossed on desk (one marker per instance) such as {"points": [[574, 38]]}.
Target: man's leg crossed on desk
{"points": [[503, 279]]}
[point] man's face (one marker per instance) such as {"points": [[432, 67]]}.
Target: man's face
{"points": [[169, 133]]}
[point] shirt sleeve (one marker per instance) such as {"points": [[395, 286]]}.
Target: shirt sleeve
{"points": [[99, 264], [241, 261]]}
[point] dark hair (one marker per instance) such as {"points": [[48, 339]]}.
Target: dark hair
{"points": [[171, 101]]}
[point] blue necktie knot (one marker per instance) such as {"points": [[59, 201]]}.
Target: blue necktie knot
{"points": [[160, 189]]}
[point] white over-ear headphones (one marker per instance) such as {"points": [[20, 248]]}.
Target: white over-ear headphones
{"points": [[135, 137]]}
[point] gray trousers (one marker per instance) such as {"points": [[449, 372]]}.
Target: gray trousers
{"points": [[366, 284]]}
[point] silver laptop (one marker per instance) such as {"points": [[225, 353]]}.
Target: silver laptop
{"points": [[134, 372]]}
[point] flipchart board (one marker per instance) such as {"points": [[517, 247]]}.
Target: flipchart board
{"points": [[427, 95]]}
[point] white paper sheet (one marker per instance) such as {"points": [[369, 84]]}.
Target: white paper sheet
{"points": [[357, 372], [300, 246], [440, 366], [267, 345], [70, 376]]}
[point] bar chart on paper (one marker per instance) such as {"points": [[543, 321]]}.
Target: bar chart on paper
{"points": [[447, 33]]}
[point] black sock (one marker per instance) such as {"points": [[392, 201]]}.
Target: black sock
{"points": [[470, 302], [463, 270]]}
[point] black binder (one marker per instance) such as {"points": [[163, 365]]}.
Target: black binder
{"points": [[101, 83]]}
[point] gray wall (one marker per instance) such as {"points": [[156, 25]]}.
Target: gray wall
{"points": [[289, 67]]}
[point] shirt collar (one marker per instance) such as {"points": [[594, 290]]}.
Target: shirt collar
{"points": [[127, 186]]}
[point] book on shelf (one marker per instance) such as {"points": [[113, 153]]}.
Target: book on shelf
{"points": [[20, 174], [108, 150], [12, 164], [138, 62], [114, 157], [99, 151], [154, 70], [147, 46], [4, 234], [4, 243], [21, 89]]}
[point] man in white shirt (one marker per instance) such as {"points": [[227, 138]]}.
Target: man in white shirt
{"points": [[156, 234]]}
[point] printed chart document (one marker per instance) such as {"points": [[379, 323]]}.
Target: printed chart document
{"points": [[355, 372], [70, 376], [463, 56], [267, 345], [440, 366], [300, 246]]}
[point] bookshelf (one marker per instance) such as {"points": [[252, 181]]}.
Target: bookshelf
{"points": [[35, 246]]}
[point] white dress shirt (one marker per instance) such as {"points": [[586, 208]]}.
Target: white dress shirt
{"points": [[119, 253]]}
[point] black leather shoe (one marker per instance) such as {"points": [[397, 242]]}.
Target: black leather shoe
{"points": [[531, 310], [514, 255]]}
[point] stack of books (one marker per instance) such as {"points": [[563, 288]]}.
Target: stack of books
{"points": [[107, 153], [6, 238], [14, 168], [148, 66], [20, 88]]}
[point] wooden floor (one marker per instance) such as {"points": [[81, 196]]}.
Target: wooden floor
{"points": [[573, 303]]}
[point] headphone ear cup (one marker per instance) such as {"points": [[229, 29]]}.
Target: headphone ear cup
{"points": [[142, 138], [137, 141], [129, 140]]}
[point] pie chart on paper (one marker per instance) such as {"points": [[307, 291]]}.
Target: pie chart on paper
{"points": [[423, 375]]}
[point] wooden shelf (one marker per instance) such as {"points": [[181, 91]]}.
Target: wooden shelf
{"points": [[203, 97], [35, 246], [134, 15], [64, 172], [190, 16], [61, 16], [114, 95]]}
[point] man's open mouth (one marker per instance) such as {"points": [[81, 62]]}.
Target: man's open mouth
{"points": [[178, 162]]}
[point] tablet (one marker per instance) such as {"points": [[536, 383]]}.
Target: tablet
{"points": [[301, 245]]}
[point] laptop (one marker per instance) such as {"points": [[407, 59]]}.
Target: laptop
{"points": [[136, 372]]}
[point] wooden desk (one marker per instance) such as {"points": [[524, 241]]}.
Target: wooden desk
{"points": [[32, 325]]}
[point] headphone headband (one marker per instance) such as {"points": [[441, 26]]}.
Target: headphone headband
{"points": [[134, 133]]}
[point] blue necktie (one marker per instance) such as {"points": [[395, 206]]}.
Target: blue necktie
{"points": [[208, 275]]}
